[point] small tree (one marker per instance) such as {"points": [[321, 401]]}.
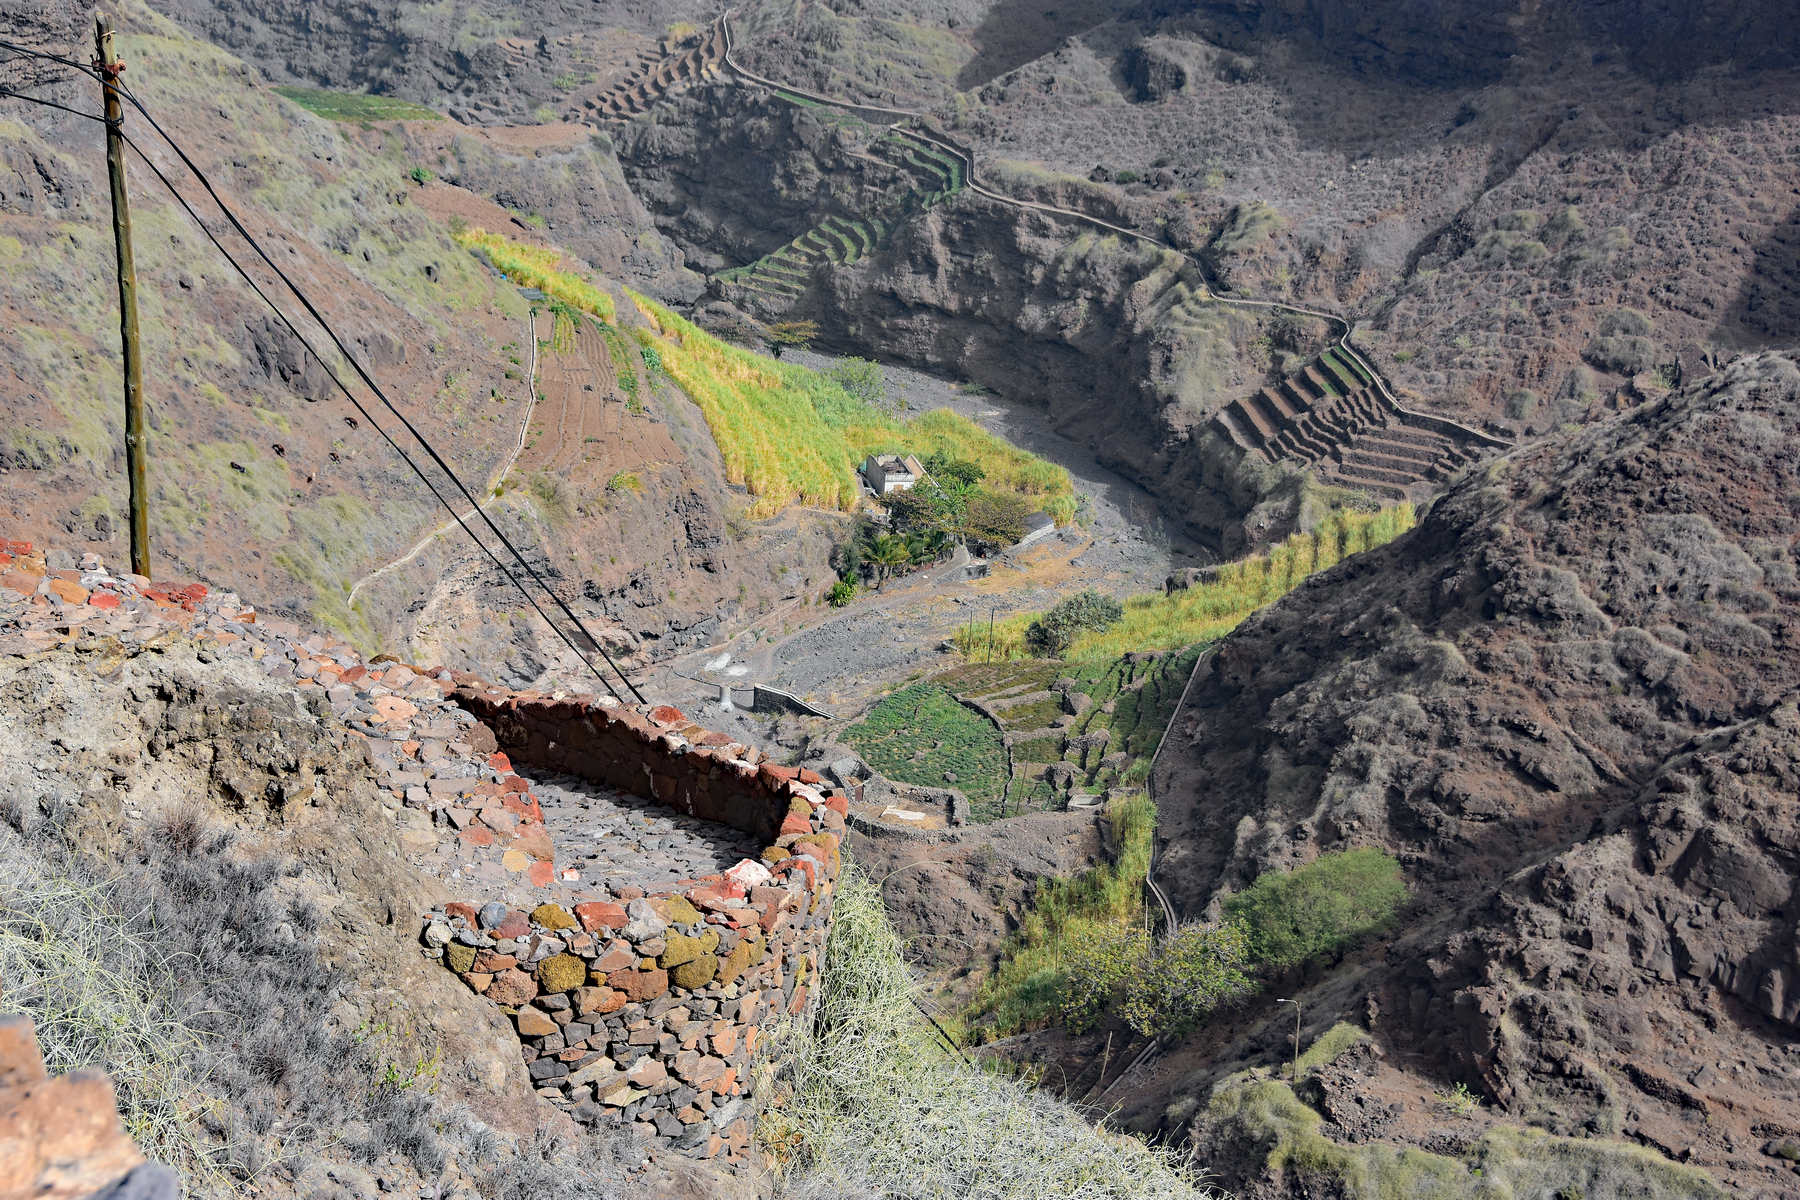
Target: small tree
{"points": [[886, 553], [840, 593], [1099, 961], [994, 520], [947, 469], [861, 378], [783, 334], [1199, 969]]}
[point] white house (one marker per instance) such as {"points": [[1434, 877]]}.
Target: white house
{"points": [[891, 473]]}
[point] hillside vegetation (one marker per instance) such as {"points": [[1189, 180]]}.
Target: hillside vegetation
{"points": [[880, 1108], [791, 434], [1214, 605], [788, 434]]}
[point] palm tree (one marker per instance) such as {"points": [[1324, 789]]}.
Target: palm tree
{"points": [[887, 552]]}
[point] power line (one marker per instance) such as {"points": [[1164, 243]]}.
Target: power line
{"points": [[374, 424], [374, 387], [7, 93], [351, 359]]}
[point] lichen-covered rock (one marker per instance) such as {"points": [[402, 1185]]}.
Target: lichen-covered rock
{"points": [[562, 973], [552, 917], [696, 973], [459, 958]]}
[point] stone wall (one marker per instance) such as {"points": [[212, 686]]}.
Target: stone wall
{"points": [[648, 1008]]}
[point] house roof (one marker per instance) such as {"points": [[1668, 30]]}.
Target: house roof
{"points": [[894, 464]]}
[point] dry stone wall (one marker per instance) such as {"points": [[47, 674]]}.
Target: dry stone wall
{"points": [[648, 1007], [634, 1004]]}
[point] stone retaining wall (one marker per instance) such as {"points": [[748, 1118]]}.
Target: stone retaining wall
{"points": [[648, 1008]]}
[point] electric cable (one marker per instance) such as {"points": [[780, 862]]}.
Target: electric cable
{"points": [[369, 380], [206, 183], [373, 423], [7, 93], [370, 418]]}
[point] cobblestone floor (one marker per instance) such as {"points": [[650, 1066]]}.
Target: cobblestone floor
{"points": [[615, 840]]}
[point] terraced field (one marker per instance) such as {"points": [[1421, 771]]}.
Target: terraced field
{"points": [[918, 176], [1332, 418], [679, 65], [1075, 731]]}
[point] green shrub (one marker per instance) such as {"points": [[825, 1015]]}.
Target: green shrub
{"points": [[840, 593], [420, 176], [1100, 961], [1198, 970], [861, 378], [1085, 612], [1156, 988], [1331, 902]]}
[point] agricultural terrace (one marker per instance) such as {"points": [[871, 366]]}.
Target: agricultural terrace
{"points": [[790, 434], [923, 735], [1214, 605], [356, 106]]}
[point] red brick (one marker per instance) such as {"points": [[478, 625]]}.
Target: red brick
{"points": [[795, 823], [515, 925], [487, 960], [838, 803]]}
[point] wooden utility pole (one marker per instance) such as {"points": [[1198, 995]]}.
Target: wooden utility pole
{"points": [[109, 68]]}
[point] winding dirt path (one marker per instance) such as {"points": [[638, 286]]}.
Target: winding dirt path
{"points": [[518, 449]]}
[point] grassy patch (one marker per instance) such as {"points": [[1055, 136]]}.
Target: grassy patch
{"points": [[1027, 988], [1213, 607], [790, 434], [920, 733], [1506, 1161], [355, 106], [537, 267], [878, 1109], [1324, 906]]}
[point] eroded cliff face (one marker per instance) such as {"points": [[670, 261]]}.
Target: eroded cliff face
{"points": [[488, 61], [1567, 704], [1043, 311]]}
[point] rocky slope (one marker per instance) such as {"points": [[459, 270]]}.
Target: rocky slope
{"points": [[259, 470], [1480, 188], [1567, 703]]}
